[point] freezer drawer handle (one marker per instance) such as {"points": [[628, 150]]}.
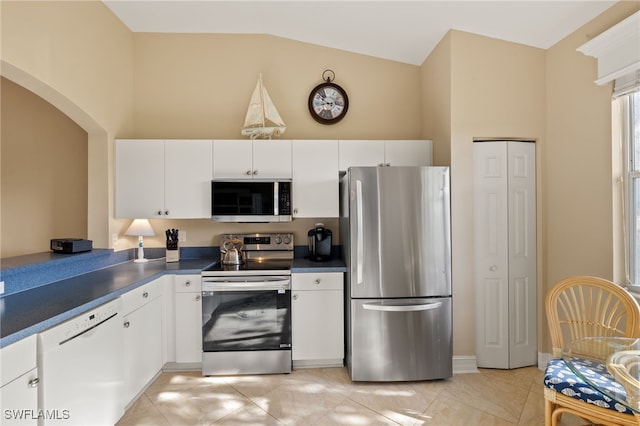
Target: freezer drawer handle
{"points": [[385, 307]]}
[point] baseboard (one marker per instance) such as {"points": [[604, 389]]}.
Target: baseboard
{"points": [[182, 366], [463, 364], [321, 363]]}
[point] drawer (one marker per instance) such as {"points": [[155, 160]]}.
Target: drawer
{"points": [[188, 283], [17, 358], [317, 281], [141, 295]]}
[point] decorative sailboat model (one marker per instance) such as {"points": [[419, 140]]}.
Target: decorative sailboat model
{"points": [[263, 119]]}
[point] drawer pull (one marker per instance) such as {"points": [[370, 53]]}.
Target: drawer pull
{"points": [[317, 281], [198, 297], [187, 284], [126, 324], [145, 295], [33, 383]]}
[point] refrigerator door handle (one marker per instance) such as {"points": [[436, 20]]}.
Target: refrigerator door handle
{"points": [[400, 307], [360, 238]]}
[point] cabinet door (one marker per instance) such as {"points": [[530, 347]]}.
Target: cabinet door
{"points": [[142, 347], [232, 159], [188, 323], [272, 159], [18, 397], [407, 152], [360, 153], [317, 325], [139, 176], [315, 178], [188, 170]]}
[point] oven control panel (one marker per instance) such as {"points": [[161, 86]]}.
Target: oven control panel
{"points": [[259, 242]]}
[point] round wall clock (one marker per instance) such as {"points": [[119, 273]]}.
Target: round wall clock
{"points": [[328, 102]]}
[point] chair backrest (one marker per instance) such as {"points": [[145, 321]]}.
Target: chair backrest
{"points": [[584, 306]]}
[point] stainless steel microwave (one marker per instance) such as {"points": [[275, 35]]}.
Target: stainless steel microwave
{"points": [[251, 200]]}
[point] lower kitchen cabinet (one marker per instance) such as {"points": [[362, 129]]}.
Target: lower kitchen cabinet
{"points": [[188, 318], [317, 319], [142, 333], [19, 383]]}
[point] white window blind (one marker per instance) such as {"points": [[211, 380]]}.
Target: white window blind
{"points": [[626, 84]]}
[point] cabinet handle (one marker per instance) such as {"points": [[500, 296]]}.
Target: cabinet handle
{"points": [[187, 284], [255, 172], [126, 324], [198, 297], [166, 212], [317, 281], [295, 297], [33, 383], [248, 173], [159, 212], [145, 295], [295, 211], [493, 268]]}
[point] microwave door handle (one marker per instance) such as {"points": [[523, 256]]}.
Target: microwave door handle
{"points": [[276, 198], [381, 306]]}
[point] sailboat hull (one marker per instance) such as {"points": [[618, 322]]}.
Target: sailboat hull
{"points": [[262, 132]]}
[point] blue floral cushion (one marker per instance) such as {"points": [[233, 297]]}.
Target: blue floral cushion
{"points": [[560, 378]]}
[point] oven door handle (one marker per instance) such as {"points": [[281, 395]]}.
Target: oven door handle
{"points": [[232, 285]]}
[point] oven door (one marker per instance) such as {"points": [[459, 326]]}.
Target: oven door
{"points": [[246, 313]]}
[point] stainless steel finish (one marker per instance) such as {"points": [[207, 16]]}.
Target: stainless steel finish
{"points": [[395, 232], [253, 282], [246, 362], [266, 267], [384, 344]]}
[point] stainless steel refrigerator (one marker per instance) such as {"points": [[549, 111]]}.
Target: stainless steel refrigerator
{"points": [[396, 238]]}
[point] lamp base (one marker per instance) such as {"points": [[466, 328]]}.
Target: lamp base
{"points": [[140, 260]]}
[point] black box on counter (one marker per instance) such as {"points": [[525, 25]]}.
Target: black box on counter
{"points": [[71, 245]]}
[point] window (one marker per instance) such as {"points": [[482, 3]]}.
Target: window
{"points": [[631, 135]]}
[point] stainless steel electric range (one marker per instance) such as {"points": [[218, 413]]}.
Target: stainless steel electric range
{"points": [[246, 306]]}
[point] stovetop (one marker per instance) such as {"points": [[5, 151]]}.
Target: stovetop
{"points": [[257, 266]]}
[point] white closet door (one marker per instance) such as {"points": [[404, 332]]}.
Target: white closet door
{"points": [[522, 254], [505, 246]]}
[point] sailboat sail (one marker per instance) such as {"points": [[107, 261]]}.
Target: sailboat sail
{"points": [[263, 119]]}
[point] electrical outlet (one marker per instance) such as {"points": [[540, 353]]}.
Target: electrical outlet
{"points": [[182, 236], [114, 239]]}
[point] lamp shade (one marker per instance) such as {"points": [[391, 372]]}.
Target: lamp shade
{"points": [[140, 228]]}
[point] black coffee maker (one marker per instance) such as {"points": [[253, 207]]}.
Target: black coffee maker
{"points": [[319, 243]]}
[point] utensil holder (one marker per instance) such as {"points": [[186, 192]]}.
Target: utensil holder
{"points": [[173, 251]]}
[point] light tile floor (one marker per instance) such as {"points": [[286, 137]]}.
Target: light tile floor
{"points": [[327, 396]]}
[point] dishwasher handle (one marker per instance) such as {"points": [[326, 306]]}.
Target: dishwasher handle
{"points": [[69, 339]]}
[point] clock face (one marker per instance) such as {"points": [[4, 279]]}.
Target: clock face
{"points": [[328, 103]]}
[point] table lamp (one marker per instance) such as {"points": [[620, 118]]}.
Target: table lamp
{"points": [[140, 228]]}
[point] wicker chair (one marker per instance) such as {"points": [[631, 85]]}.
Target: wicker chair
{"points": [[583, 307]]}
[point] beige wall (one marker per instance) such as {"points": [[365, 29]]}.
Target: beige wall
{"points": [[43, 173], [579, 160], [496, 89], [79, 57]]}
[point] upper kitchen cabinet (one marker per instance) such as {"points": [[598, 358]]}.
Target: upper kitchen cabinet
{"points": [[315, 178], [252, 159], [163, 178], [362, 153]]}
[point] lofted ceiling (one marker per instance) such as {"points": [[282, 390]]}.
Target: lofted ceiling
{"points": [[403, 31]]}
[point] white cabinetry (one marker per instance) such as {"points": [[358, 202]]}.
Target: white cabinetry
{"points": [[317, 319], [505, 253], [249, 159], [362, 153], [315, 178], [19, 383], [142, 334], [188, 318], [163, 178]]}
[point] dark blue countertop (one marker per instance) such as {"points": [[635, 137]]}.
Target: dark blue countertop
{"points": [[31, 311]]}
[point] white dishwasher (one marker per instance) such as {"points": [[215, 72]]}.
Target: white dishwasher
{"points": [[81, 369]]}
